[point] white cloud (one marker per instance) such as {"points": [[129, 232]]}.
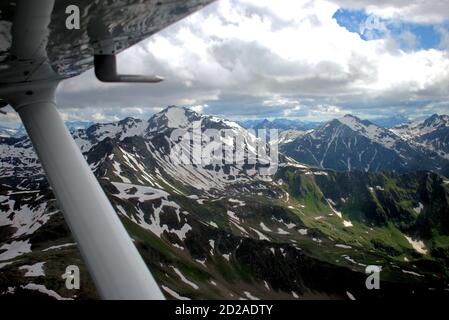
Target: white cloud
{"points": [[10, 119], [285, 54], [409, 39], [444, 41], [200, 108], [97, 116], [434, 11]]}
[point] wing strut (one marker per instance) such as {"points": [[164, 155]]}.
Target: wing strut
{"points": [[112, 259]]}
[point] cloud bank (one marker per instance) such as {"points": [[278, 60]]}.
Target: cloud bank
{"points": [[283, 58]]}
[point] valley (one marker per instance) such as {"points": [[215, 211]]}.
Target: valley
{"points": [[222, 232]]}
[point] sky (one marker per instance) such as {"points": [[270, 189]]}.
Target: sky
{"points": [[308, 60]]}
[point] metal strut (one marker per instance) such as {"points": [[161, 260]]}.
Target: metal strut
{"points": [[112, 259], [106, 71]]}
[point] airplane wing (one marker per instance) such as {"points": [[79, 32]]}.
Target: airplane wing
{"points": [[35, 43]]}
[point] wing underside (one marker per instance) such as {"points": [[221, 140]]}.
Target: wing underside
{"points": [[36, 45]]}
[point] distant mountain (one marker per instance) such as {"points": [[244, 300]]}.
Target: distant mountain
{"points": [[223, 231], [431, 134], [413, 130], [289, 136], [7, 132], [390, 122], [289, 124], [350, 143], [280, 124], [152, 139], [73, 125]]}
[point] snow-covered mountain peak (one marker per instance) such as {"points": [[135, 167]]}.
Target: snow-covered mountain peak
{"points": [[110, 130], [418, 129], [350, 143], [436, 121], [370, 130], [175, 117], [172, 117], [431, 134], [355, 123], [7, 132]]}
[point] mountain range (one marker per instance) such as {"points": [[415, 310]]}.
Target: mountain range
{"points": [[391, 121], [17, 132], [283, 124], [224, 231], [431, 134], [349, 144], [280, 124]]}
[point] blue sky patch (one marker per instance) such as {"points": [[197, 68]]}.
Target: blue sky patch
{"points": [[409, 36]]}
